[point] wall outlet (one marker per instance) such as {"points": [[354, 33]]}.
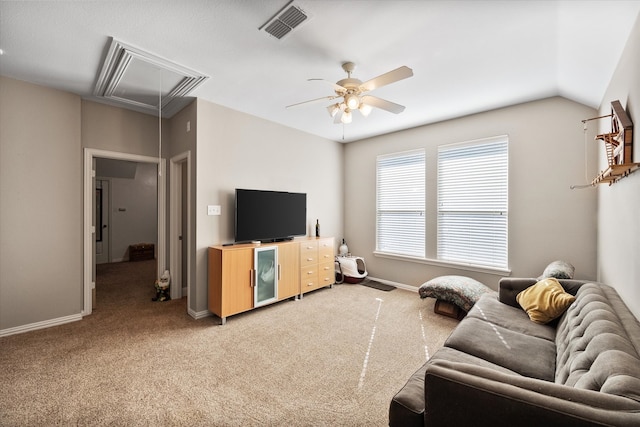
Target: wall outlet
{"points": [[213, 210]]}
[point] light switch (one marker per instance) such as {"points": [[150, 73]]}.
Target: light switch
{"points": [[213, 210]]}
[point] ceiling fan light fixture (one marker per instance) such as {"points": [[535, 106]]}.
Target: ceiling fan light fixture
{"points": [[365, 109], [352, 101], [346, 117], [333, 109]]}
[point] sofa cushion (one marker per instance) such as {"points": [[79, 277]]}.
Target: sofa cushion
{"points": [[595, 348], [459, 290], [518, 352], [490, 309], [545, 301], [452, 355]]}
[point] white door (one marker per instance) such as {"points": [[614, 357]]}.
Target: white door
{"points": [[101, 222]]}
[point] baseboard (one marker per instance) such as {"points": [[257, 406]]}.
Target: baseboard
{"points": [[199, 314], [40, 325], [396, 284]]}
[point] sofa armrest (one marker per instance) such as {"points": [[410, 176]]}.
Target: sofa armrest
{"points": [[509, 287], [464, 394]]}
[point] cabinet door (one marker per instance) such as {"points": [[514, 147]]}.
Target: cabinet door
{"points": [[266, 275], [289, 283], [237, 290]]}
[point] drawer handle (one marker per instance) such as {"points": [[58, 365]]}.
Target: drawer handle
{"points": [[326, 268], [310, 284], [309, 272], [309, 247], [309, 259]]}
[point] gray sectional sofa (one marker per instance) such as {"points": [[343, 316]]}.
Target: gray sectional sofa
{"points": [[498, 368]]}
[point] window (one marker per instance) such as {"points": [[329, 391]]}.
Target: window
{"points": [[400, 221], [473, 202]]}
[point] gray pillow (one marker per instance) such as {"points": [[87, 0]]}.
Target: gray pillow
{"points": [[558, 270]]}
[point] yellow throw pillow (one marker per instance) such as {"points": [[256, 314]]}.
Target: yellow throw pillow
{"points": [[545, 300]]}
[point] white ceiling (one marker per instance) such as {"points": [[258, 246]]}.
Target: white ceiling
{"points": [[467, 56]]}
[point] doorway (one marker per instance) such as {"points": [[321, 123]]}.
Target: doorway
{"points": [[102, 217], [180, 225], [90, 226]]}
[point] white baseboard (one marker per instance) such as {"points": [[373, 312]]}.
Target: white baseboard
{"points": [[396, 284], [40, 325], [199, 314]]}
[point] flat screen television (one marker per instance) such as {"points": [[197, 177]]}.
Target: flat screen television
{"points": [[269, 216]]}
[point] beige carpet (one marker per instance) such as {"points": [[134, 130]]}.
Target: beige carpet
{"points": [[334, 358]]}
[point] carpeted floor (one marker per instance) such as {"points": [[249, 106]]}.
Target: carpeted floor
{"points": [[334, 358]]}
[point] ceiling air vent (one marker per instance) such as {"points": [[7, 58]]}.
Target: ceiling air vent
{"points": [[284, 21]]}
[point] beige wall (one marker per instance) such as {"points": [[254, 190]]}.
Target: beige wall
{"points": [[109, 128], [43, 131], [619, 204], [183, 141], [547, 220], [236, 150], [40, 204]]}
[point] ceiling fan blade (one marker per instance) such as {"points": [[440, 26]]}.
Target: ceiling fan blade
{"points": [[312, 101], [334, 86], [383, 104], [387, 78]]}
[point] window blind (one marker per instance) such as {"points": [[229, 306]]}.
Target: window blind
{"points": [[473, 203], [400, 205]]}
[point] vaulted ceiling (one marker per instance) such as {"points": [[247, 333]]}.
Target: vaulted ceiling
{"points": [[466, 56]]}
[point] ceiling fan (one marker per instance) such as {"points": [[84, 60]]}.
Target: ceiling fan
{"points": [[353, 94]]}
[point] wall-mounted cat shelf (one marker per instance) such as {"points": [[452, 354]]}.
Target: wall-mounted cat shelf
{"points": [[618, 146]]}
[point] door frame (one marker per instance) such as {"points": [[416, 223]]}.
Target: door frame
{"points": [[89, 228], [175, 221], [106, 213]]}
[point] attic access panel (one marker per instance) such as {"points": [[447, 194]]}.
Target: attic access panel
{"points": [[143, 82], [138, 80]]}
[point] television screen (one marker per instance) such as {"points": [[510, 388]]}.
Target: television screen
{"points": [[269, 215]]}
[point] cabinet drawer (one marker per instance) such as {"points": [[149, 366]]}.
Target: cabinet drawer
{"points": [[309, 277], [325, 256], [326, 245], [325, 250], [308, 259], [326, 274], [308, 253], [310, 246]]}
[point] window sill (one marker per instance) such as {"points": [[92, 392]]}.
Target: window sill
{"points": [[440, 263]]}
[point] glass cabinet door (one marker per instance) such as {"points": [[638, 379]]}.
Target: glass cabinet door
{"points": [[265, 264]]}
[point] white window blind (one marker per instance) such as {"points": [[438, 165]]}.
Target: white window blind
{"points": [[400, 222], [473, 203]]}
